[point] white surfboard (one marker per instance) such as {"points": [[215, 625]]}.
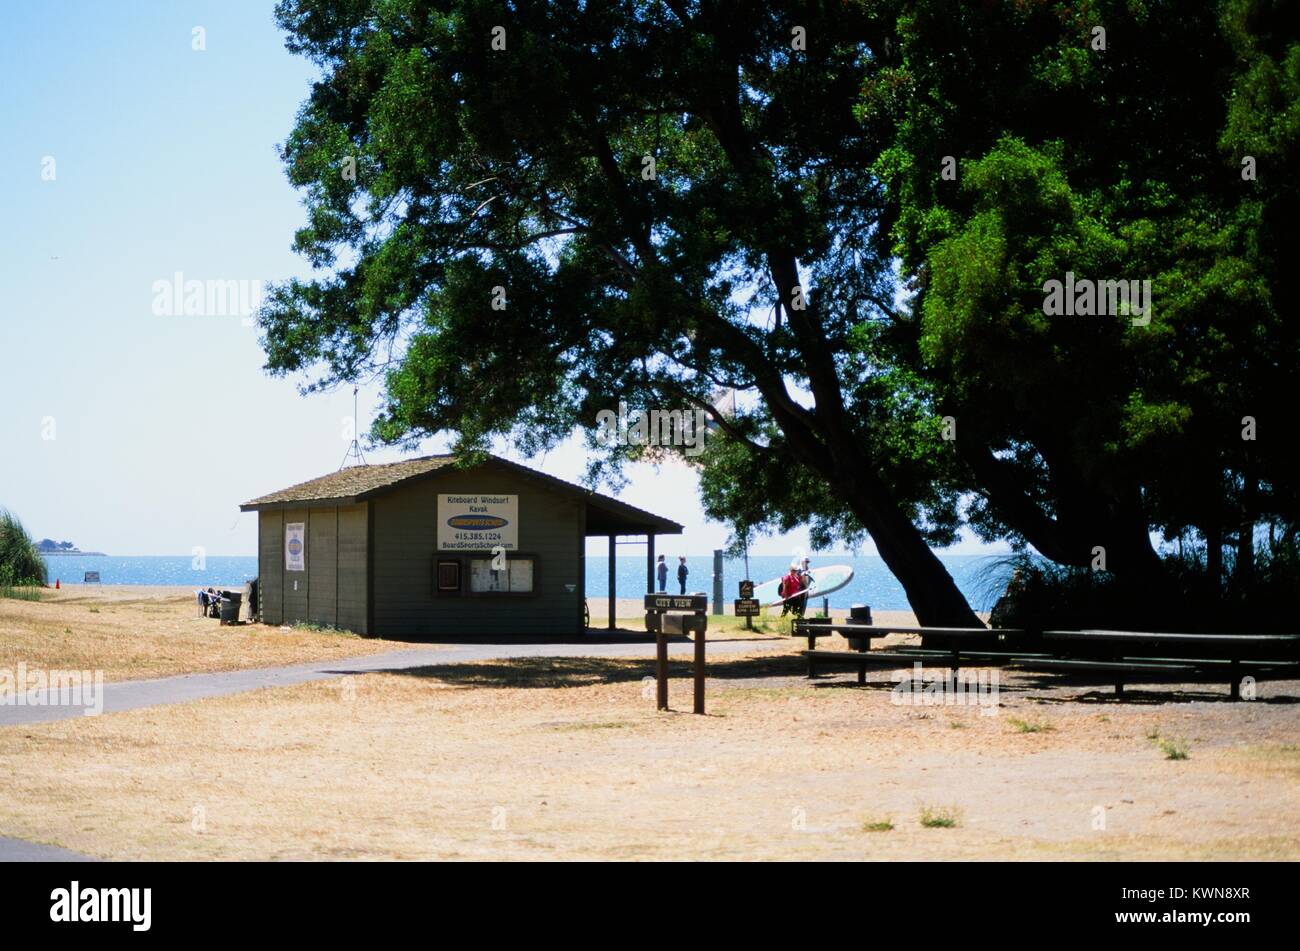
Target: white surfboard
{"points": [[824, 581]]}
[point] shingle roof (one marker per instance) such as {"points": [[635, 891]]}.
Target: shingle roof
{"points": [[360, 482], [353, 482]]}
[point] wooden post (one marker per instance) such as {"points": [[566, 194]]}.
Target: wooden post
{"points": [[661, 666], [699, 670], [613, 595]]}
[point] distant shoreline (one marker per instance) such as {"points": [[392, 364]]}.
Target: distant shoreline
{"points": [[75, 554]]}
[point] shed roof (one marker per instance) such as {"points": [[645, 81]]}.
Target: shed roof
{"points": [[605, 515]]}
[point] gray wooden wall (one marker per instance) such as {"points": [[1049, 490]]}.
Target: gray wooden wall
{"points": [[332, 591], [405, 540]]}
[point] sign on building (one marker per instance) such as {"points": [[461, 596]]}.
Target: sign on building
{"points": [[295, 546], [478, 522]]}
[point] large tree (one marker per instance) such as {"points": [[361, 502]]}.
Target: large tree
{"points": [[525, 213], [1105, 139]]}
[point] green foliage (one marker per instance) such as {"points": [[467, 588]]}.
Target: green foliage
{"points": [[503, 259], [521, 169], [1173, 748], [1117, 163], [20, 559], [480, 172], [1029, 726], [1051, 596]]}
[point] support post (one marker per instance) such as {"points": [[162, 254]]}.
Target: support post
{"points": [[699, 670], [661, 667], [649, 564], [717, 581], [613, 565]]}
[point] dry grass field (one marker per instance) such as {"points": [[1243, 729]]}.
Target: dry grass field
{"points": [[140, 632], [568, 759], [133, 633]]}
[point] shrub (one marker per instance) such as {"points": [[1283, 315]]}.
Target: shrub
{"points": [[21, 564], [1183, 599]]}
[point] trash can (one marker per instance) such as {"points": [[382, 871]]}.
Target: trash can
{"points": [[230, 602], [860, 614]]}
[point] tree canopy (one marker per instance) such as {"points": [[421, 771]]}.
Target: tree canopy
{"points": [[522, 215]]}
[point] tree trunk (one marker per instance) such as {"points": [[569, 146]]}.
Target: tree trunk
{"points": [[1087, 517], [1245, 570], [1214, 557], [933, 595]]}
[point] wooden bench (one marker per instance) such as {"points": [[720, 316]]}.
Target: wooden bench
{"points": [[1171, 657], [862, 656], [1126, 657], [813, 628]]}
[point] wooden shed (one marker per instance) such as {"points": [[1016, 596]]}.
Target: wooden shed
{"points": [[425, 548]]}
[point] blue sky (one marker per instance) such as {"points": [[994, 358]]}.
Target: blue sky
{"points": [[134, 433]]}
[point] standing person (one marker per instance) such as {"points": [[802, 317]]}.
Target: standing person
{"points": [[791, 583], [805, 585], [682, 572], [661, 570]]}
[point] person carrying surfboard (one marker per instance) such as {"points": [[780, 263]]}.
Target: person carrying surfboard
{"points": [[805, 584], [790, 585]]}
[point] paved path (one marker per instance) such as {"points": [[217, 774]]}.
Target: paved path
{"points": [[16, 850], [133, 694]]}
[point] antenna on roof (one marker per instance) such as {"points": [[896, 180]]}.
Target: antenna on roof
{"points": [[354, 448]]}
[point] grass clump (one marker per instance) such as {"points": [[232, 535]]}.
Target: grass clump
{"points": [[1030, 726], [22, 569], [939, 817], [1173, 749], [323, 629]]}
